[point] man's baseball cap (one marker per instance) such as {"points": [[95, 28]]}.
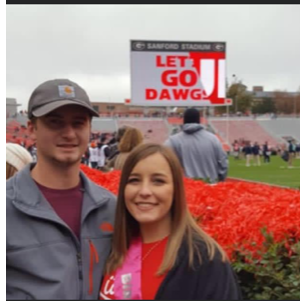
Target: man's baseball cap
{"points": [[56, 93]]}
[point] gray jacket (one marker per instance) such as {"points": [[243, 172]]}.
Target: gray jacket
{"points": [[44, 259], [200, 153]]}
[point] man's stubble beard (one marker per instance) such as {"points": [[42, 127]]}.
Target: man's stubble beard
{"points": [[65, 163]]}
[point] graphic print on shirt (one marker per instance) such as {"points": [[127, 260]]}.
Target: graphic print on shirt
{"points": [[107, 290]]}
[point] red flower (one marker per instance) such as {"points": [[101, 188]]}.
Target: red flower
{"points": [[233, 212]]}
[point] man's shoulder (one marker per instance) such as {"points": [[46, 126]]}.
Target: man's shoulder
{"points": [[99, 188], [9, 189], [12, 193], [11, 185], [99, 193], [102, 191], [208, 134]]}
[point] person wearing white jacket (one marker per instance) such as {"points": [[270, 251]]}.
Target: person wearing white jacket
{"points": [[94, 155]]}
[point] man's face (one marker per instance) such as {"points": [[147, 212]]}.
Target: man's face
{"points": [[62, 136]]}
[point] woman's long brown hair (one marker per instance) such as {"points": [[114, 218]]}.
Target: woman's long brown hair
{"points": [[131, 138], [10, 171], [183, 225]]}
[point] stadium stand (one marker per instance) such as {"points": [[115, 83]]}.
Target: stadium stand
{"points": [[282, 127], [246, 129], [154, 129], [108, 125]]}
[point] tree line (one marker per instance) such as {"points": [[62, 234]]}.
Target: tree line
{"points": [[281, 102]]}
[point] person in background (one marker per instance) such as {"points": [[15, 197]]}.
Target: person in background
{"points": [[114, 150], [158, 250], [94, 155], [256, 153], [248, 153], [17, 157], [266, 152], [236, 150], [298, 150], [33, 152], [292, 153], [103, 153], [86, 157], [112, 144], [131, 138], [199, 151]]}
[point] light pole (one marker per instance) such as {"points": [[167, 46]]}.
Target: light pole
{"points": [[295, 97], [235, 96]]}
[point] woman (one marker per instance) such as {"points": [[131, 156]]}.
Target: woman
{"points": [[131, 138], [16, 158], [158, 250]]}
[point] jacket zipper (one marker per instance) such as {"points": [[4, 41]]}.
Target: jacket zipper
{"points": [[79, 261], [94, 258]]}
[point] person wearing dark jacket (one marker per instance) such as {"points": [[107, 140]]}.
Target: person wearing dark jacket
{"points": [[158, 250], [103, 153], [256, 153], [248, 150], [266, 152], [114, 150], [292, 153]]}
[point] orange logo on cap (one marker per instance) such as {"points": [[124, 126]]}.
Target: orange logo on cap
{"points": [[68, 90], [106, 227]]}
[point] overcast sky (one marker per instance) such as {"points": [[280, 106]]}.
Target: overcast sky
{"points": [[90, 44]]}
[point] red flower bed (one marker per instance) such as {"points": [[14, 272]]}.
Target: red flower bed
{"points": [[233, 213]]}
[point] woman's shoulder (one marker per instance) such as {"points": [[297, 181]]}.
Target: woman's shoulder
{"points": [[211, 278], [213, 275], [202, 248]]}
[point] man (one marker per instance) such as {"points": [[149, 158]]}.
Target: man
{"points": [[85, 157], [266, 152], [114, 151], [103, 153], [292, 153], [200, 152], [248, 151], [236, 150], [256, 153], [33, 152], [59, 223], [298, 151]]}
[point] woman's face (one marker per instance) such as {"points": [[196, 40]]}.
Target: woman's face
{"points": [[149, 191]]}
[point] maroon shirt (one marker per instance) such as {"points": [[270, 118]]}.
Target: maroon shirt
{"points": [[67, 204]]}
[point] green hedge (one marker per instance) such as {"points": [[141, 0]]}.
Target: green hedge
{"points": [[273, 276]]}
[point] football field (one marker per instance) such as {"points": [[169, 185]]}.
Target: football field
{"points": [[276, 172]]}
